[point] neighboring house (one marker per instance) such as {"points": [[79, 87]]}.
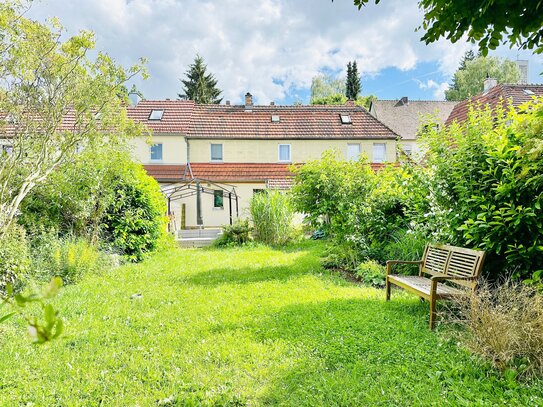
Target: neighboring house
{"points": [[405, 117], [493, 95], [211, 159]]}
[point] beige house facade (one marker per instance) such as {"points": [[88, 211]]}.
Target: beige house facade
{"points": [[211, 159]]}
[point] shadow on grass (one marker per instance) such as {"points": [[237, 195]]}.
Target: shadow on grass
{"points": [[246, 275], [369, 352], [304, 263]]}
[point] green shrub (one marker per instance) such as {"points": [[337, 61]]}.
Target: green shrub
{"points": [[272, 214], [487, 186], [102, 196], [135, 219], [402, 245], [236, 234], [14, 259], [371, 273], [344, 256]]}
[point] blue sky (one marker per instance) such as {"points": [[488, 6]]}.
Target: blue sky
{"points": [[272, 48]]}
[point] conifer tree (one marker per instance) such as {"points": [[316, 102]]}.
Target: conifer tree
{"points": [[200, 86], [353, 86]]}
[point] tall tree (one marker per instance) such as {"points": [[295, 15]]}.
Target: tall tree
{"points": [[468, 56], [200, 86], [325, 86], [54, 99], [469, 80], [483, 22], [352, 85]]}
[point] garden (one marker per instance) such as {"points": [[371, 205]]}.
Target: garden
{"points": [[284, 309]]}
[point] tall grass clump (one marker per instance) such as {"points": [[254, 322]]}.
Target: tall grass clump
{"points": [[272, 214], [505, 325]]}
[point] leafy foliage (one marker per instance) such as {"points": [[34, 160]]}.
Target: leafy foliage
{"points": [[482, 22], [326, 86], [74, 199], [135, 218], [487, 188], [468, 80], [39, 332], [371, 273], [47, 83], [14, 257], [200, 86], [236, 234], [102, 197], [272, 214]]}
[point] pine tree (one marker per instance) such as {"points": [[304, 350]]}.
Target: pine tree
{"points": [[353, 86], [199, 86]]}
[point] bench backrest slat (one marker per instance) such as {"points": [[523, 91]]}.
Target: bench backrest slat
{"points": [[453, 261], [435, 259]]}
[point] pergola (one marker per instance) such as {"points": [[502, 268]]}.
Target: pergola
{"points": [[194, 186]]}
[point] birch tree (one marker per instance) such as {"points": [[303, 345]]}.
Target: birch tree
{"points": [[55, 99]]}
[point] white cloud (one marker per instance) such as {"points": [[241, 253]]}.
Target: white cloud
{"points": [[438, 88], [268, 47]]}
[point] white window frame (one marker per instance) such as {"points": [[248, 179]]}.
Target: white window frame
{"points": [[374, 158], [289, 153], [156, 114], [161, 152], [357, 155], [211, 152]]}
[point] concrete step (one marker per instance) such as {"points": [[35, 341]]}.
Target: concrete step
{"points": [[197, 237], [199, 233]]}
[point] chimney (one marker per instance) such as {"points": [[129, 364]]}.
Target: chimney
{"points": [[489, 83], [349, 102], [272, 103], [227, 103], [248, 101], [134, 98]]}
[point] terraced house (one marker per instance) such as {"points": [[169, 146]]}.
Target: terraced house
{"points": [[211, 159]]}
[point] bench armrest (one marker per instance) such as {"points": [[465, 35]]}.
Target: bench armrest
{"points": [[391, 262]]}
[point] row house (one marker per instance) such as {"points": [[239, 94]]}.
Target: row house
{"points": [[211, 159]]}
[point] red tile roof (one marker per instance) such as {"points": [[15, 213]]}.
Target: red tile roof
{"points": [[166, 172], [176, 118], [276, 175], [295, 122], [240, 171], [504, 93]]}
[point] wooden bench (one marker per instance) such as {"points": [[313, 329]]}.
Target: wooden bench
{"points": [[442, 263]]}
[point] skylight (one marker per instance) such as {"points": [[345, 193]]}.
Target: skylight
{"points": [[346, 119], [156, 114], [275, 118], [529, 92]]}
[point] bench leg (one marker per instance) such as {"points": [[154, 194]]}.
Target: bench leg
{"points": [[432, 313], [388, 289]]}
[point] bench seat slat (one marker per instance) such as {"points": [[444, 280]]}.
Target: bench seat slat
{"points": [[423, 284]]}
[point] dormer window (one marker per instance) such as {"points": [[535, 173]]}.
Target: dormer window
{"points": [[156, 114], [275, 118], [346, 119]]}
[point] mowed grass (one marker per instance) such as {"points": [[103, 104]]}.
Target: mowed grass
{"points": [[251, 326]]}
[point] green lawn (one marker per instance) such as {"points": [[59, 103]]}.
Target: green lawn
{"points": [[253, 326]]}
